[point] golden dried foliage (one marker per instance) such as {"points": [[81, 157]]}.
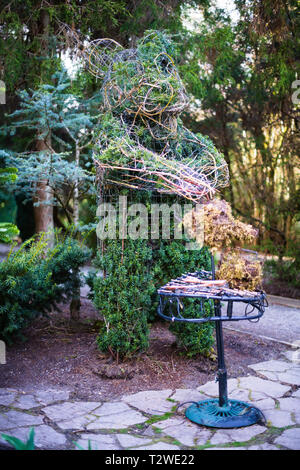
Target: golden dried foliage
{"points": [[240, 273], [222, 230]]}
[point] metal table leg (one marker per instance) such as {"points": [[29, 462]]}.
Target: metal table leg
{"points": [[222, 372], [223, 412]]}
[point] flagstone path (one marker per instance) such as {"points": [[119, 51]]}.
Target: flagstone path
{"points": [[148, 420]]}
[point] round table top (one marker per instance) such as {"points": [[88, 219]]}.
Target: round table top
{"points": [[192, 286]]}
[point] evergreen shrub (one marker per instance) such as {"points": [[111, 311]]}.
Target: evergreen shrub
{"points": [[126, 296], [34, 280], [123, 297], [194, 338]]}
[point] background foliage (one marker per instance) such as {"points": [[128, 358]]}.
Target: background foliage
{"points": [[239, 71]]}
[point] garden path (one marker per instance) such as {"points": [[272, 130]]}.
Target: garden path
{"points": [[148, 420], [280, 322]]}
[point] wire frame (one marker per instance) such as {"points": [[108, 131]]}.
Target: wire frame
{"points": [[147, 95]]}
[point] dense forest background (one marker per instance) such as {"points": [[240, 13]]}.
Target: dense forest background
{"points": [[240, 66]]}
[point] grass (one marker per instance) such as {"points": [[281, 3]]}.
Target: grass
{"points": [[157, 418], [165, 416], [156, 430]]}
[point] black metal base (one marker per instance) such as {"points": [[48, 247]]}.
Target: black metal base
{"points": [[235, 414]]}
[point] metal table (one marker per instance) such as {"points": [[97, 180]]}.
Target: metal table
{"points": [[221, 412]]}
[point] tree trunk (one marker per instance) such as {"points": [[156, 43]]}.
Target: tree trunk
{"points": [[76, 190], [75, 306], [75, 302], [43, 212]]}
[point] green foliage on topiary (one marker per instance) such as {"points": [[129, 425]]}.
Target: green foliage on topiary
{"points": [[171, 260], [34, 280], [143, 143], [123, 297], [126, 296], [194, 338]]}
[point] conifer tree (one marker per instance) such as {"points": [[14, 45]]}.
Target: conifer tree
{"points": [[65, 125]]}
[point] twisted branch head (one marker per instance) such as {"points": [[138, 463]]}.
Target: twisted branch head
{"points": [[143, 143]]}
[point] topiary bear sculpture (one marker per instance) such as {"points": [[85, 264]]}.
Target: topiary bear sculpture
{"points": [[143, 143]]}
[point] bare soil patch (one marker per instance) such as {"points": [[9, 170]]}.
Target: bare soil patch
{"points": [[60, 355]]}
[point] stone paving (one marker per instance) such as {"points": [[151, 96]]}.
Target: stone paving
{"points": [[149, 420]]}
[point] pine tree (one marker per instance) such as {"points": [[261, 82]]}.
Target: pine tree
{"points": [[54, 172]]}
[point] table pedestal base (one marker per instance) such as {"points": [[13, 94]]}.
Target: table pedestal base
{"points": [[221, 412], [233, 414]]}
